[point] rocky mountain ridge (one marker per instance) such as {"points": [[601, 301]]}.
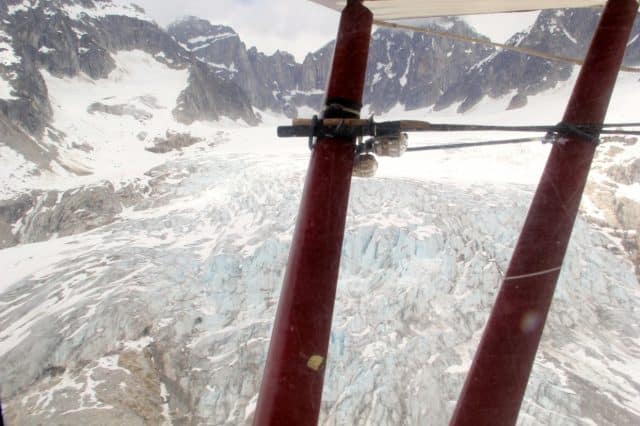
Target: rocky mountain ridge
{"points": [[69, 37], [227, 79], [507, 73], [412, 70]]}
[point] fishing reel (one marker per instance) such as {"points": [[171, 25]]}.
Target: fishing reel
{"points": [[365, 163]]}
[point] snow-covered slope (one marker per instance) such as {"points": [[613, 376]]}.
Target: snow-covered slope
{"points": [[95, 47], [103, 129]]}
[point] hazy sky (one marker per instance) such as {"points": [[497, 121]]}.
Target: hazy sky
{"points": [[297, 26]]}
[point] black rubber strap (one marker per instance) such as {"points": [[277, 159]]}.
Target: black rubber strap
{"points": [[341, 108], [588, 133]]}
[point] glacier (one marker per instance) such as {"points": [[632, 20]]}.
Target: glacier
{"points": [[164, 315]]}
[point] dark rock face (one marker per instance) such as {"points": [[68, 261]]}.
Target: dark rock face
{"points": [[265, 79], [39, 215], [315, 68], [632, 54], [220, 98], [415, 69], [626, 173], [95, 61], [46, 36], [20, 141], [218, 45], [410, 69], [11, 211], [518, 101], [560, 32], [7, 239], [173, 141], [29, 109]]}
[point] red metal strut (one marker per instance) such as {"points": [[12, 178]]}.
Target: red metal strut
{"points": [[496, 383], [291, 389]]}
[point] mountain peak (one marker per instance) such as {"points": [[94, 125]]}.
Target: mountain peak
{"points": [[77, 9], [194, 33]]}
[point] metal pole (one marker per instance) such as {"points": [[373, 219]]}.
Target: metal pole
{"points": [[497, 380], [291, 389]]}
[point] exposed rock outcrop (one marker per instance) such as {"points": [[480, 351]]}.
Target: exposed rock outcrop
{"points": [[40, 215], [410, 69], [627, 174], [173, 141], [68, 37], [559, 32], [220, 98], [619, 213], [517, 101], [265, 79]]}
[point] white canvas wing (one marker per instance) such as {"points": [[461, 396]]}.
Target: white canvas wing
{"points": [[385, 10]]}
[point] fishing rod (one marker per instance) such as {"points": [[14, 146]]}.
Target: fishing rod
{"points": [[346, 128]]}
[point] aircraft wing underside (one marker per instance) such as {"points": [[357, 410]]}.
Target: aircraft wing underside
{"points": [[385, 10]]}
